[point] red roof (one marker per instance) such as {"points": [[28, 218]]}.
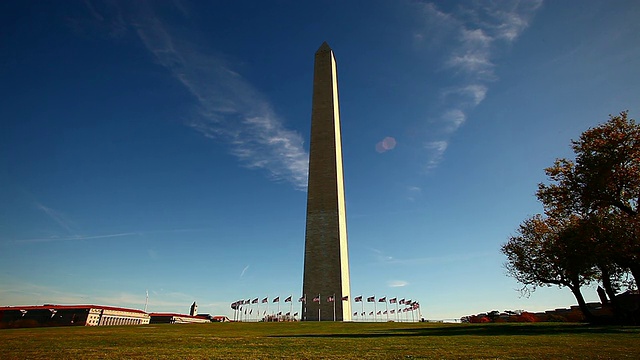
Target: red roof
{"points": [[175, 314], [69, 307]]}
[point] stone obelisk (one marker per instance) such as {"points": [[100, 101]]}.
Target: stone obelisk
{"points": [[326, 257]]}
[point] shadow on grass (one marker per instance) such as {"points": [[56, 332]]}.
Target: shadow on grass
{"points": [[483, 330]]}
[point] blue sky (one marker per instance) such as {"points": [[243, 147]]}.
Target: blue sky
{"points": [[164, 145]]}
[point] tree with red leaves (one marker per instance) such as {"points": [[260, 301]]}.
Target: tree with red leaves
{"points": [[591, 228]]}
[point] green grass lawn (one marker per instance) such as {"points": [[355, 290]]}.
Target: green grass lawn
{"points": [[312, 340]]}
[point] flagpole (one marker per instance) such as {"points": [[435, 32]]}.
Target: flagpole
{"points": [[363, 309], [397, 310], [334, 306], [375, 309], [319, 302], [386, 305]]}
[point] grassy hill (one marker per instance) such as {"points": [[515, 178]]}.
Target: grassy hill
{"points": [[310, 340]]}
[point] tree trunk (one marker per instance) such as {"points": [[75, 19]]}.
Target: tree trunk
{"points": [[608, 287], [575, 289]]}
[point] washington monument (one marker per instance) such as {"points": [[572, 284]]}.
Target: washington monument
{"points": [[326, 256]]}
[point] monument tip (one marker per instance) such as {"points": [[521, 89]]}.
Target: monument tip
{"points": [[324, 47]]}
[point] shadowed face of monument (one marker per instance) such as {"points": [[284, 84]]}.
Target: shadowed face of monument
{"points": [[326, 262]]}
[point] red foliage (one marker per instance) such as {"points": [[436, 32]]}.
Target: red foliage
{"points": [[479, 319], [526, 317]]}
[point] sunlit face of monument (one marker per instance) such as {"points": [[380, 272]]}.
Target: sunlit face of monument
{"points": [[326, 258]]}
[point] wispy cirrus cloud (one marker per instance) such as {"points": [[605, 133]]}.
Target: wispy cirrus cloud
{"points": [[228, 107], [435, 151], [77, 237], [381, 256], [478, 32], [397, 283], [439, 260], [384, 258], [103, 236], [57, 216], [244, 270], [413, 192], [16, 291]]}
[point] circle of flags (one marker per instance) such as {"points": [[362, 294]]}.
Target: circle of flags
{"points": [[402, 310]]}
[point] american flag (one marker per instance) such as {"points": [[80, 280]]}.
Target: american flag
{"points": [[265, 300], [355, 313], [296, 314], [277, 299], [358, 298], [288, 299], [254, 301], [392, 311], [378, 313], [345, 298], [316, 299], [383, 299], [371, 313], [371, 299], [401, 301], [393, 300], [330, 299], [385, 312], [302, 299]]}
